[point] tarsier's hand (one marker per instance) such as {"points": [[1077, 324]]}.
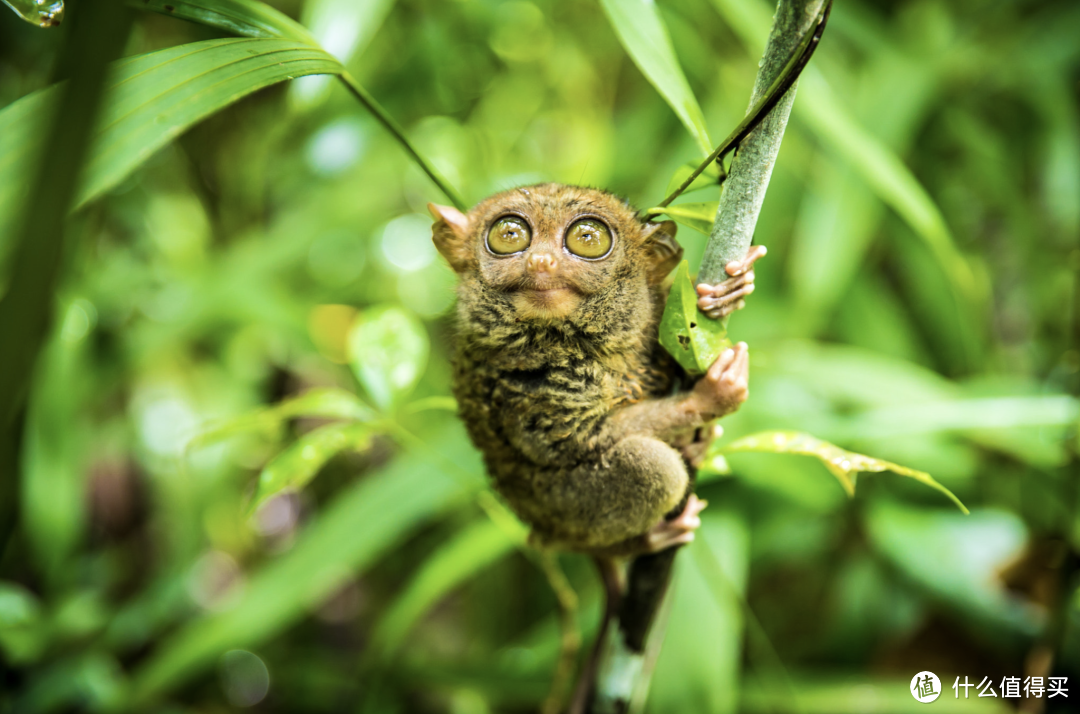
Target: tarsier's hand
{"points": [[719, 301], [726, 385]]}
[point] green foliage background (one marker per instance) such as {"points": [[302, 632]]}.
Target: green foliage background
{"points": [[919, 303]]}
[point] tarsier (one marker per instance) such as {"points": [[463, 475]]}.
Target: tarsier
{"points": [[586, 425]]}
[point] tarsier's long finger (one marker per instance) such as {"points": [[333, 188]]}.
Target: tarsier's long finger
{"points": [[738, 267], [739, 371], [727, 286], [724, 304], [722, 362]]}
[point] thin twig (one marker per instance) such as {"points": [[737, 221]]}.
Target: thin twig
{"points": [[790, 74], [394, 128]]}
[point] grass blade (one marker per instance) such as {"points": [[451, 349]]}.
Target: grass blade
{"points": [[249, 18], [150, 100], [645, 38]]}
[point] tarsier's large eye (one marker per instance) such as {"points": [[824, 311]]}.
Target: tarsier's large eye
{"points": [[588, 238], [510, 234]]}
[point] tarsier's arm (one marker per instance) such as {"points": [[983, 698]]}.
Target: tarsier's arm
{"points": [[722, 389], [717, 393]]}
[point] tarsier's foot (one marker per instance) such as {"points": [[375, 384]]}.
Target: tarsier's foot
{"points": [[719, 301], [678, 531], [694, 451]]}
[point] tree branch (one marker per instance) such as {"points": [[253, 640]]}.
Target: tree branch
{"points": [[751, 169]]}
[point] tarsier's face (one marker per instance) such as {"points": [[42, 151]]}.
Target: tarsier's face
{"points": [[549, 247]]}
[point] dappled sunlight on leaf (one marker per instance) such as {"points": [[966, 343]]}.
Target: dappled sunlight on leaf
{"points": [[842, 464]]}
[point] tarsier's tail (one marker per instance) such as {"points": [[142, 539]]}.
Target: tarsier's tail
{"points": [[620, 654]]}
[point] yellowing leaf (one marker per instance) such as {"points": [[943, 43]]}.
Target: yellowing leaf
{"points": [[843, 464], [691, 337]]}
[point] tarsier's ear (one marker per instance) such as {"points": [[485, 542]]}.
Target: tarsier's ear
{"points": [[451, 236], [661, 249]]}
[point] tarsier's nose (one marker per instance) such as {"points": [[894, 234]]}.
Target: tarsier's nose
{"points": [[541, 263]]}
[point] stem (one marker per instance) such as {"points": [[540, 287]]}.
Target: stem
{"points": [[795, 34], [392, 126], [748, 178], [99, 30], [763, 105]]}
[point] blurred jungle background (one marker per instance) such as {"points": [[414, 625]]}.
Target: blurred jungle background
{"points": [[918, 303]]}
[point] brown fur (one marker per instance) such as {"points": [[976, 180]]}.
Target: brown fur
{"points": [[557, 370]]}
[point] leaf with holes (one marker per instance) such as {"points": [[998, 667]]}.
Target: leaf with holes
{"points": [[691, 337]]}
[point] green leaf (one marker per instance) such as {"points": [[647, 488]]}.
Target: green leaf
{"points": [[150, 100], [24, 635], [246, 18], [645, 38], [54, 473], [322, 402], [361, 524], [17, 606], [448, 404], [691, 337], [388, 349], [294, 467], [708, 178], [844, 465], [255, 19], [43, 13], [699, 666], [966, 565], [474, 548], [699, 216], [343, 28], [876, 163]]}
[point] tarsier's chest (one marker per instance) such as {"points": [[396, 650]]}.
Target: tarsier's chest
{"points": [[548, 414]]}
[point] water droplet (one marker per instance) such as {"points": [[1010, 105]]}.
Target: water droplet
{"points": [[43, 13]]}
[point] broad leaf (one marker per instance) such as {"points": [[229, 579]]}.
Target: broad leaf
{"points": [[471, 550], [388, 349], [699, 216], [362, 523], [343, 28], [150, 100], [691, 337], [969, 556], [844, 465], [246, 18], [251, 18], [294, 467], [323, 402], [645, 38]]}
